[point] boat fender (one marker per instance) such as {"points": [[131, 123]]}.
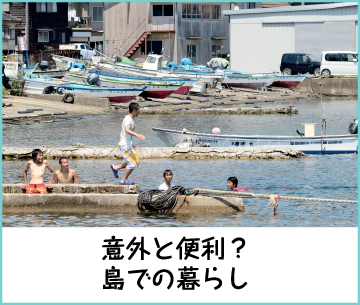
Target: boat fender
{"points": [[353, 127], [68, 98]]}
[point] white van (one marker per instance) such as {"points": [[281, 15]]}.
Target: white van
{"points": [[86, 52], [339, 63]]}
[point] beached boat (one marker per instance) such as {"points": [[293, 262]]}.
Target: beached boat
{"points": [[326, 144], [115, 95], [184, 89], [288, 81], [50, 73], [251, 81], [153, 90], [44, 85]]}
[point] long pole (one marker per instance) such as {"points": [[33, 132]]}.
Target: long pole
{"points": [[322, 119]]}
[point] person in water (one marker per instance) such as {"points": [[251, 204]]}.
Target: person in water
{"points": [[168, 175], [232, 184], [126, 145], [37, 168], [65, 174]]}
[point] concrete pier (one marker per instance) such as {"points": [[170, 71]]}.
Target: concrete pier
{"points": [[93, 199], [99, 152]]}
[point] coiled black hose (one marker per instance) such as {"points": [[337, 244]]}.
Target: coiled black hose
{"points": [[155, 200]]}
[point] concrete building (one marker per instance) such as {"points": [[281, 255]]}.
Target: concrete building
{"points": [[196, 30], [259, 37], [87, 26]]}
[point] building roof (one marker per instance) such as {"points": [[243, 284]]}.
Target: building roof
{"points": [[274, 4], [290, 8], [7, 17]]}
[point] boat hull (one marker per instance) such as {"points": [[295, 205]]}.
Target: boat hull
{"points": [[335, 144], [288, 81], [247, 81]]}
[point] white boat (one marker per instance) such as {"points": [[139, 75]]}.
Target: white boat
{"points": [[251, 81], [288, 81], [115, 95], [326, 144], [42, 85]]}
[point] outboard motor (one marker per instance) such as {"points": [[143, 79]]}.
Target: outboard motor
{"points": [[93, 79], [353, 127], [44, 65]]}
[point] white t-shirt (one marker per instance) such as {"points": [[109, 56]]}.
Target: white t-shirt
{"points": [[125, 138], [164, 187]]}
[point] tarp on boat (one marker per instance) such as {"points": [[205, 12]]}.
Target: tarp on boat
{"points": [[173, 65], [127, 61], [186, 61], [217, 62]]}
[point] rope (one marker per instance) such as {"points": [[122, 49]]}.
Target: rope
{"points": [[155, 200], [252, 195]]}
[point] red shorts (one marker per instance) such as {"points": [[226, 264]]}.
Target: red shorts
{"points": [[36, 189]]}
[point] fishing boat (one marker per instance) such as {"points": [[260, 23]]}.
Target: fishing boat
{"points": [[43, 85], [324, 144], [153, 90], [288, 81], [50, 73], [153, 68], [251, 81], [184, 89], [115, 95]]}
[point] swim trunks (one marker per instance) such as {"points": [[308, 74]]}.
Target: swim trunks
{"points": [[240, 188], [36, 189], [130, 156]]}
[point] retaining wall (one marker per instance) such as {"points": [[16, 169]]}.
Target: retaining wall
{"points": [[331, 86], [93, 201], [16, 153]]}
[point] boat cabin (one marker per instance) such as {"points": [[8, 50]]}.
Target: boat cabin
{"points": [[153, 62]]}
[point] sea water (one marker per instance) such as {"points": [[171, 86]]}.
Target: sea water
{"points": [[314, 176]]}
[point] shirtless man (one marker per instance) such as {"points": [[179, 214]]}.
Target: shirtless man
{"points": [[37, 168], [66, 175]]}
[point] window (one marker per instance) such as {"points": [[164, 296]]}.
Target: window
{"points": [[186, 10], [251, 5], [49, 7], [43, 36], [62, 37], [97, 14], [301, 58], [191, 51], [196, 11], [206, 11], [333, 57], [216, 12], [6, 33], [41, 7], [168, 10], [163, 10], [52, 35], [348, 57], [215, 50]]}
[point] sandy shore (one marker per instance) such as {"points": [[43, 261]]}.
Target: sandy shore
{"points": [[53, 106]]}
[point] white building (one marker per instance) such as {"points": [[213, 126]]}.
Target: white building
{"points": [[259, 37]]}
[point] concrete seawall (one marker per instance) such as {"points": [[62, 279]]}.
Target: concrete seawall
{"points": [[331, 86], [93, 199], [18, 153]]}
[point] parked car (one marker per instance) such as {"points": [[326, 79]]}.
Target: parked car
{"points": [[339, 63], [294, 63], [86, 52]]}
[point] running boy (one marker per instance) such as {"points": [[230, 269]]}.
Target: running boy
{"points": [[126, 146], [37, 168], [65, 174], [168, 175], [232, 184]]}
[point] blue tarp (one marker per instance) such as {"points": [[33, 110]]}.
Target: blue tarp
{"points": [[76, 65], [173, 65], [186, 61]]}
